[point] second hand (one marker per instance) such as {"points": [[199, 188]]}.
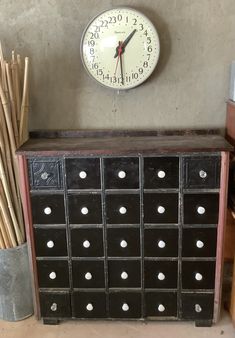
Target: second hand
{"points": [[120, 50]]}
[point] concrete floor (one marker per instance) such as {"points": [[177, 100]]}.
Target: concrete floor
{"points": [[30, 328]]}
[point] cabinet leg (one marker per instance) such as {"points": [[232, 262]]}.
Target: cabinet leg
{"points": [[50, 321], [203, 323]]}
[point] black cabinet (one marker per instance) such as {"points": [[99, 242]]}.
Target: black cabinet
{"points": [[126, 237]]}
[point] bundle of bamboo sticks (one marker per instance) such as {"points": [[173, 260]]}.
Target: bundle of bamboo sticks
{"points": [[14, 106]]}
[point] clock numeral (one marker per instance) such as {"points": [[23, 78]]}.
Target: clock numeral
{"points": [[92, 51], [135, 76], [94, 35], [150, 49], [127, 19], [148, 56], [119, 17], [146, 32], [91, 43], [141, 27], [135, 22], [99, 72], [113, 79], [92, 58], [104, 23], [141, 70], [128, 79], [106, 77], [97, 29], [112, 19], [149, 40], [94, 66], [145, 64]]}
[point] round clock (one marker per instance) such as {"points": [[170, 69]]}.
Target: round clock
{"points": [[120, 48]]}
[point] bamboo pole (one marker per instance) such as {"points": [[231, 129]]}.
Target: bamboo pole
{"points": [[2, 243], [16, 85], [25, 104]]}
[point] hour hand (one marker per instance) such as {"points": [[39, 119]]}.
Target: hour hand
{"points": [[125, 42]]}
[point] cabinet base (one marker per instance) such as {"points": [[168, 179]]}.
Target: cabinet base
{"points": [[50, 321], [203, 323]]}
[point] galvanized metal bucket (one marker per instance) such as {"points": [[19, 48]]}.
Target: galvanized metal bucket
{"points": [[16, 301]]}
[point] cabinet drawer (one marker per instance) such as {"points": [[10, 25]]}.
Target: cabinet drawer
{"points": [[161, 274], [201, 208], [83, 173], [198, 275], [125, 305], [88, 274], [161, 304], [123, 209], [199, 242], [197, 305], [48, 209], [160, 208], [161, 172], [85, 209], [45, 173], [123, 242], [161, 242], [121, 173], [89, 304], [50, 242], [124, 274], [53, 274], [87, 242], [55, 304], [201, 172]]}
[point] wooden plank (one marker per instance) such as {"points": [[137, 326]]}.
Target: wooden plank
{"points": [[232, 304], [229, 246]]}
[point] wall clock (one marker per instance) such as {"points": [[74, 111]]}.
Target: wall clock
{"points": [[120, 48]]}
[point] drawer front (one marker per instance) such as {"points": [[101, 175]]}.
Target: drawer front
{"points": [[121, 173], [45, 174], [161, 242], [123, 242], [83, 173], [161, 304], [124, 274], [53, 274], [48, 209], [55, 304], [161, 274], [123, 209], [199, 242], [89, 304], [50, 242], [88, 274], [87, 242], [161, 172], [201, 208], [125, 305], [160, 208], [197, 306], [198, 275], [201, 172], [85, 209]]}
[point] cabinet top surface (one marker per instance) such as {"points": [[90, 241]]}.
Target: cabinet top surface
{"points": [[121, 142]]}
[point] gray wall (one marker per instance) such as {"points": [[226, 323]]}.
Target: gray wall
{"points": [[188, 89]]}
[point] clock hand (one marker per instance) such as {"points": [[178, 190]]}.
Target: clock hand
{"points": [[119, 55], [125, 43], [121, 69]]}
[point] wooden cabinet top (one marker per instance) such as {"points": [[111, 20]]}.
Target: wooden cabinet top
{"points": [[123, 142]]}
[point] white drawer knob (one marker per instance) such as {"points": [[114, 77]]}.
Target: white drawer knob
{"points": [[89, 307], [53, 307], [199, 244], [161, 244], [86, 244], [123, 244], [88, 276], [44, 176], [84, 210], [121, 174], [161, 174], [52, 275], [82, 175], [50, 244], [201, 210], [198, 276], [125, 307], [124, 275], [123, 210], [161, 209], [202, 174], [198, 308], [47, 211], [161, 308], [161, 276]]}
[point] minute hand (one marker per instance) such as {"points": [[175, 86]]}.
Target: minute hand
{"points": [[125, 43]]}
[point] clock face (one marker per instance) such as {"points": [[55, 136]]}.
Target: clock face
{"points": [[120, 48]]}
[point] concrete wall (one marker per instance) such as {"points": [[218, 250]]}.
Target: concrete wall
{"points": [[188, 89]]}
